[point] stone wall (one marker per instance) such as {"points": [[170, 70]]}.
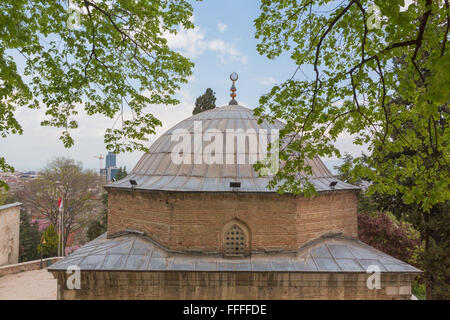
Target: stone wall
{"points": [[195, 221], [9, 233], [233, 285], [27, 266]]}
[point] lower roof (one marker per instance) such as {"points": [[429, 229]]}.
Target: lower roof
{"points": [[132, 252]]}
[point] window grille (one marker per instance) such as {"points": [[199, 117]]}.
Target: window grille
{"points": [[234, 241]]}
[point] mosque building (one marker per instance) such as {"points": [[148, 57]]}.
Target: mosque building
{"points": [[194, 220]]}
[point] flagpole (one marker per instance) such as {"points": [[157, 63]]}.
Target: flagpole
{"points": [[60, 230], [58, 226], [62, 224], [62, 233]]}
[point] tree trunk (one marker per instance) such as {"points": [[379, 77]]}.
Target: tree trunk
{"points": [[427, 274], [428, 281]]}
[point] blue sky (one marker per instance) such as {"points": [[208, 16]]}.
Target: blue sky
{"points": [[222, 42], [231, 23]]}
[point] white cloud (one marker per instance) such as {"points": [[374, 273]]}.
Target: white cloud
{"points": [[222, 27], [267, 81], [38, 145], [406, 6], [226, 51], [345, 144], [193, 43]]}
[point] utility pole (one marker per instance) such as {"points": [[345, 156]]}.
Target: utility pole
{"points": [[100, 170]]}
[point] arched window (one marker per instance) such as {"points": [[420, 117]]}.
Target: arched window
{"points": [[235, 241]]}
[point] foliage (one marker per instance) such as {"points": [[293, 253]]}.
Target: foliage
{"points": [[419, 291], [435, 259], [95, 229], [382, 233], [381, 229], [433, 227], [387, 85], [344, 169], [367, 203], [98, 227], [122, 173], [49, 242], [206, 101], [5, 197], [29, 238], [354, 80], [3, 165], [107, 57], [65, 178]]}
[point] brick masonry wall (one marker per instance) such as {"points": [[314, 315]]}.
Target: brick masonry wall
{"points": [[329, 212], [195, 221], [233, 285]]}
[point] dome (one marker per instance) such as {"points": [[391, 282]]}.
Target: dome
{"points": [[156, 169]]}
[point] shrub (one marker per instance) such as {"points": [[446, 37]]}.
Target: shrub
{"points": [[382, 232]]}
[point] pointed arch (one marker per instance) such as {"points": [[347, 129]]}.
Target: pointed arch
{"points": [[235, 238]]}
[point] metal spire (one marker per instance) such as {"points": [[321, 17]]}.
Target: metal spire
{"points": [[233, 77]]}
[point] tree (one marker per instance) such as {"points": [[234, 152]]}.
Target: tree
{"points": [[433, 225], [122, 173], [49, 242], [399, 111], [398, 239], [394, 238], [98, 227], [206, 101], [343, 169], [65, 178], [421, 191], [103, 56], [380, 223], [377, 225], [366, 203], [5, 197], [29, 238]]}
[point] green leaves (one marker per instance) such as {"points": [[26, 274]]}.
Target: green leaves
{"points": [[112, 60], [48, 245], [5, 168], [205, 102], [387, 87]]}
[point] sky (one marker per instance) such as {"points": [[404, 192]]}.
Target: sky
{"points": [[222, 42]]}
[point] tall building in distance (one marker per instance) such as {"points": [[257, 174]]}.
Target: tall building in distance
{"points": [[110, 171], [110, 160]]}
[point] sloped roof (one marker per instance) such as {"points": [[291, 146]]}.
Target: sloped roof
{"points": [[132, 252], [156, 170]]}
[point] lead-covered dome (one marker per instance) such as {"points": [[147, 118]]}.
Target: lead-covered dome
{"points": [[156, 170]]}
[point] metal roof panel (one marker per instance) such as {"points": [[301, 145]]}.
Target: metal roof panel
{"points": [[136, 252], [156, 170]]}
